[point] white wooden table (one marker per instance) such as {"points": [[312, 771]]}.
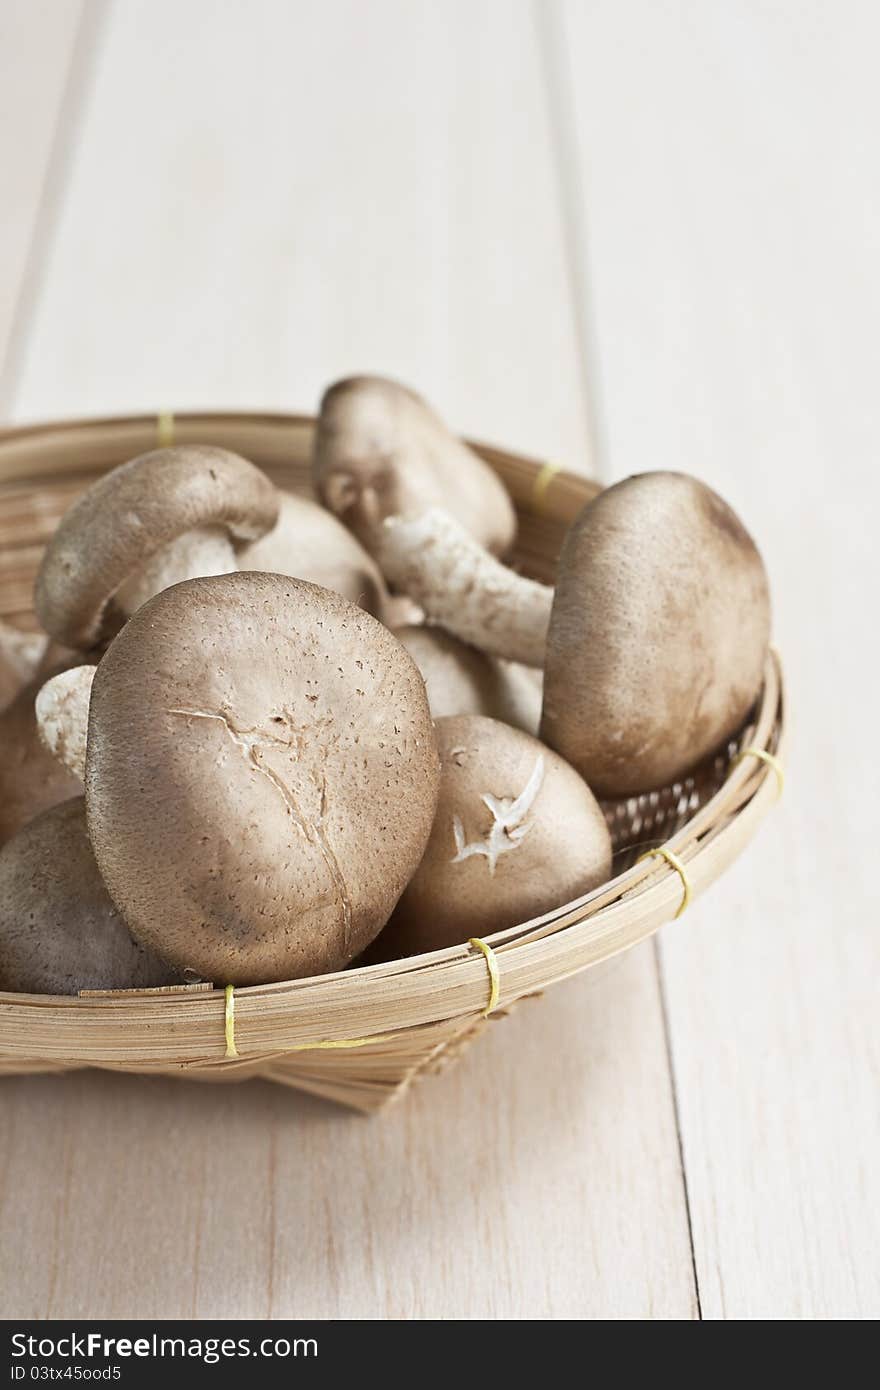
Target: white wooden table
{"points": [[620, 235]]}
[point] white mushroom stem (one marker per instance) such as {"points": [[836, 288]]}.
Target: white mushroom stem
{"points": [[464, 589], [62, 710], [206, 550]]}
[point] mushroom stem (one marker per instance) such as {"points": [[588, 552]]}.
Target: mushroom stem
{"points": [[204, 550], [62, 710], [464, 589]]}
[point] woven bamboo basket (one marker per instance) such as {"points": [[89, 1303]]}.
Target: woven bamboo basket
{"points": [[361, 1036]]}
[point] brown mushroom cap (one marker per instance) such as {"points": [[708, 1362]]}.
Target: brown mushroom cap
{"points": [[517, 832], [658, 633], [59, 931], [309, 543], [381, 451], [128, 515], [261, 776], [31, 778], [461, 680]]}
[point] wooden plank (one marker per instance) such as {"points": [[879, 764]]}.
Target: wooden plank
{"points": [[37, 43], [728, 165], [287, 198], [259, 203], [495, 1190]]}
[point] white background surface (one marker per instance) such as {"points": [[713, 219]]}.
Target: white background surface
{"points": [[614, 233]]}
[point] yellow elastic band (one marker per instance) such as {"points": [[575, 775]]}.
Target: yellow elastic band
{"points": [[494, 993], [763, 756], [165, 429], [231, 1049], [542, 481], [342, 1042], [674, 861], [494, 973]]}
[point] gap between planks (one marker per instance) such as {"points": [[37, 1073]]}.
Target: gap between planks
{"points": [[550, 26]]}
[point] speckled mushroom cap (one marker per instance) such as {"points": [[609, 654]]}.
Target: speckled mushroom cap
{"points": [[658, 633], [131, 513], [261, 776], [517, 833], [380, 451], [59, 930]]}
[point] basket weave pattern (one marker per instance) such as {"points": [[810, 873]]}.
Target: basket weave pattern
{"points": [[417, 1012]]}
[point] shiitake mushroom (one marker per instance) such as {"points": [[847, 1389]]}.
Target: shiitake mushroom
{"points": [[517, 832], [160, 518], [59, 930], [261, 776], [380, 451], [653, 641]]}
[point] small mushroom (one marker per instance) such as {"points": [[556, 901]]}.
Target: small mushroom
{"points": [[161, 518], [31, 779], [381, 451], [59, 930], [20, 655], [261, 776], [307, 542], [655, 638], [517, 833], [462, 680]]}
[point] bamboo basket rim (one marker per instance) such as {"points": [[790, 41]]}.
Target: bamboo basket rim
{"points": [[178, 1030]]}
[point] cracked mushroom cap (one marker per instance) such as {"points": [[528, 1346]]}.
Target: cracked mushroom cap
{"points": [[59, 930], [381, 451], [658, 633], [129, 515], [261, 776], [517, 832]]}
